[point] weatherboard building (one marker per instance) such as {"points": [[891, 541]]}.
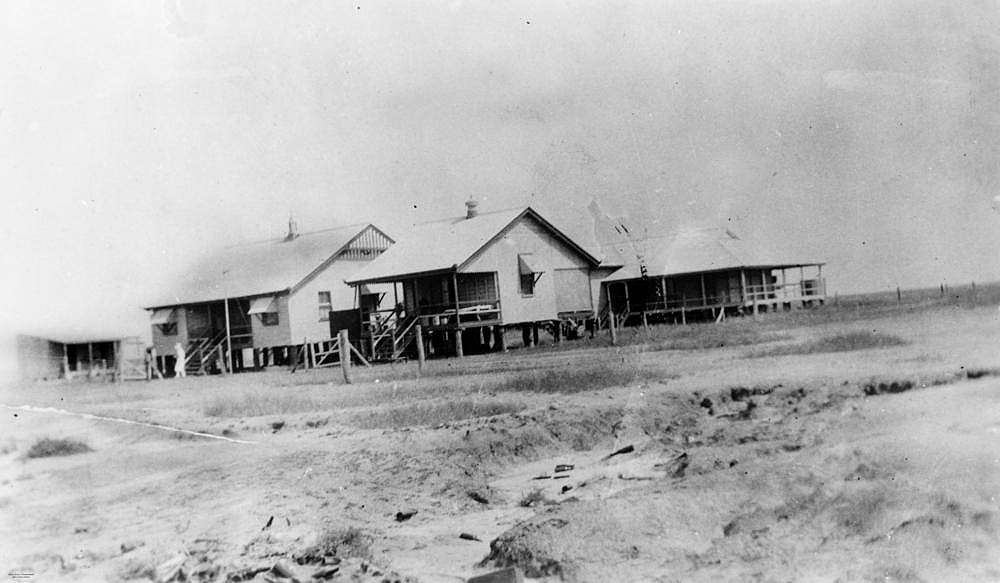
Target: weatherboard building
{"points": [[467, 280], [250, 305]]}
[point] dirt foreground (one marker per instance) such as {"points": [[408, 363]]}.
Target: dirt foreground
{"points": [[864, 465]]}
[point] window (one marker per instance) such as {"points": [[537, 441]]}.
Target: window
{"points": [[269, 318], [529, 269], [527, 284], [325, 305], [164, 320]]}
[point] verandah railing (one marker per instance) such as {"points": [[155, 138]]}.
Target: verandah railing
{"points": [[755, 296]]}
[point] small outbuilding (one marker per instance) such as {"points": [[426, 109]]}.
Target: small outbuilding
{"points": [[252, 305], [43, 358], [466, 280], [708, 273]]}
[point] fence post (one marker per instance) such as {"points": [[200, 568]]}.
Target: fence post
{"points": [[612, 326], [899, 296], [345, 355], [119, 363], [420, 347]]}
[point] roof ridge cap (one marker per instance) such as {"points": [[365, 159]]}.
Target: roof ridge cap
{"points": [[283, 239]]}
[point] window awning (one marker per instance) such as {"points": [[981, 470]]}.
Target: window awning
{"points": [[267, 305], [528, 264], [161, 316]]}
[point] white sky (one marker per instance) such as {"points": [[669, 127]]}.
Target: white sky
{"points": [[136, 135]]}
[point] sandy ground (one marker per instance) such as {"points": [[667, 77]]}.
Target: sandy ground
{"points": [[740, 469]]}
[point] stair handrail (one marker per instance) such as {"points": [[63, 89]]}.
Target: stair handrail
{"points": [[404, 339], [203, 350]]}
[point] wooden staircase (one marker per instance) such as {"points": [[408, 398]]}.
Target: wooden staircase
{"points": [[393, 338], [203, 355], [604, 318]]}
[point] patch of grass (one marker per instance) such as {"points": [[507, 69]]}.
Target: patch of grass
{"points": [[567, 380], [431, 413], [184, 436], [707, 336], [845, 342], [978, 373], [8, 447], [533, 498], [52, 447], [258, 404], [342, 543], [858, 511], [135, 568], [873, 388]]}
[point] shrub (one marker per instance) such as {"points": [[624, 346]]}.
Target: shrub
{"points": [[50, 447], [533, 498]]}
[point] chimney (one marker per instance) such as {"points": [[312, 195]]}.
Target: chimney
{"points": [[471, 208], [293, 229]]}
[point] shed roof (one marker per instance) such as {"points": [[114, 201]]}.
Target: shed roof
{"points": [[441, 246], [702, 249], [78, 337], [262, 267]]}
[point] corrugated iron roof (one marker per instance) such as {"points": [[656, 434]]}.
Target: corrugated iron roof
{"points": [[263, 267], [701, 249], [440, 246], [79, 337]]}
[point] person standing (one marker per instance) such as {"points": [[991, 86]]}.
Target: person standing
{"points": [[181, 361]]}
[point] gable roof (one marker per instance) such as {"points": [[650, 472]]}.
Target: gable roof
{"points": [[698, 250], [262, 267], [444, 245]]}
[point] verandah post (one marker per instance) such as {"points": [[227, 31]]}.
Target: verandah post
{"points": [[459, 349], [613, 327], [222, 359], [499, 338]]}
